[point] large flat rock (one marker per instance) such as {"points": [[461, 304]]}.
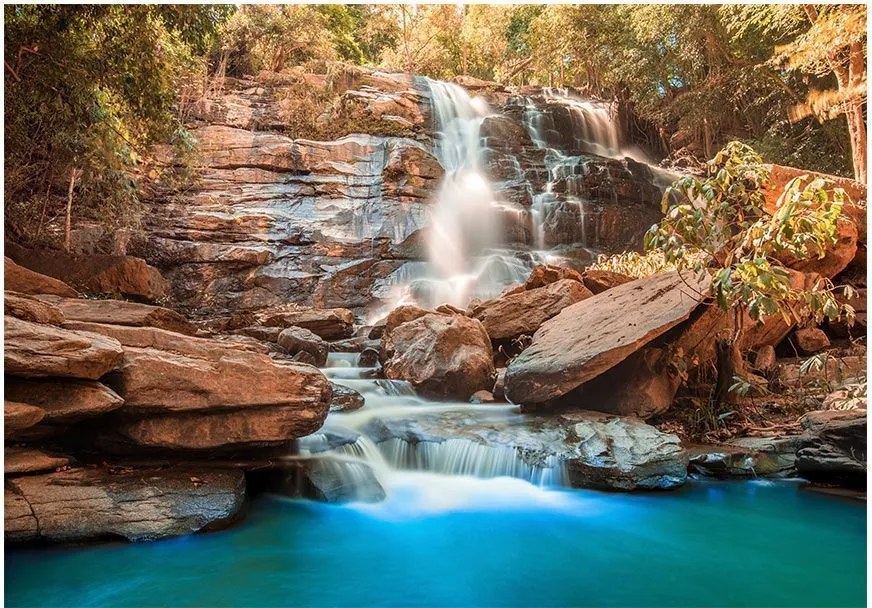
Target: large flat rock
{"points": [[94, 503], [64, 400], [119, 312], [34, 350], [28, 308], [26, 460], [588, 338]]}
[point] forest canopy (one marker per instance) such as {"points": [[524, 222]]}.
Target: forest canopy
{"points": [[90, 88]]}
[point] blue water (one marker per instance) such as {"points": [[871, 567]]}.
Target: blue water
{"points": [[467, 542]]}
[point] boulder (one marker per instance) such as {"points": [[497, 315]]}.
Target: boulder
{"points": [[328, 480], [18, 416], [499, 389], [298, 339], [88, 504], [580, 449], [482, 397], [265, 334], [746, 457], [28, 308], [153, 381], [64, 400], [523, 313], [594, 335], [837, 256], [598, 281], [833, 447], [345, 399], [328, 323], [99, 274], [368, 357], [545, 274], [400, 315], [25, 461], [442, 356], [34, 350], [810, 340], [119, 312], [20, 279], [258, 426]]}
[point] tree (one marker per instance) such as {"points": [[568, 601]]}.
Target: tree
{"points": [[720, 225]]}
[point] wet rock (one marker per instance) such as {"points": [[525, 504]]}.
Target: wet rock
{"points": [[833, 447], [64, 400], [28, 308], [345, 399], [90, 504], [18, 416], [482, 397], [298, 339], [34, 350], [119, 312], [110, 274], [26, 460], [329, 480], [598, 281], [579, 449], [368, 358], [442, 356], [810, 340], [523, 313], [590, 337], [746, 457], [20, 279], [352, 345], [499, 389]]}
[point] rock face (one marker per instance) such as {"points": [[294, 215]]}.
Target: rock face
{"points": [[34, 350], [523, 313], [20, 279], [95, 504], [581, 449], [64, 400], [441, 355], [110, 274], [833, 447], [590, 337]]}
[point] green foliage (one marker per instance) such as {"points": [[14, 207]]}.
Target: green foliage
{"points": [[91, 88], [721, 224]]}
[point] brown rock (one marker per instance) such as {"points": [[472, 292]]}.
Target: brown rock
{"points": [[499, 389], [22, 461], [94, 504], [599, 281], [119, 312], [840, 328], [345, 399], [18, 416], [482, 397], [523, 313], [298, 339], [266, 334], [545, 274], [64, 400], [810, 340], [764, 359], [448, 356], [31, 309], [34, 350], [590, 337], [368, 358], [837, 257], [153, 381], [328, 323], [400, 315], [20, 279]]}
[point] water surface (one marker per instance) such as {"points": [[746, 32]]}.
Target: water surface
{"points": [[440, 541]]}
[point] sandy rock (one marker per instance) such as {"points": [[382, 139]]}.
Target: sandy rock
{"points": [[297, 339], [34, 350], [810, 340], [18, 416], [28, 308], [20, 279], [64, 400], [442, 356], [590, 337], [90, 504], [26, 460], [523, 313]]}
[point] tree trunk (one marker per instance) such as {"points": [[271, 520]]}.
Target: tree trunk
{"points": [[729, 365], [74, 175], [857, 129]]}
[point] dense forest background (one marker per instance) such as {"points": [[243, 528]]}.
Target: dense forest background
{"points": [[90, 89]]}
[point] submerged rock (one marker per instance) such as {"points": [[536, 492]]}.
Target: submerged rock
{"points": [[95, 503], [443, 356], [590, 337], [579, 449]]}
